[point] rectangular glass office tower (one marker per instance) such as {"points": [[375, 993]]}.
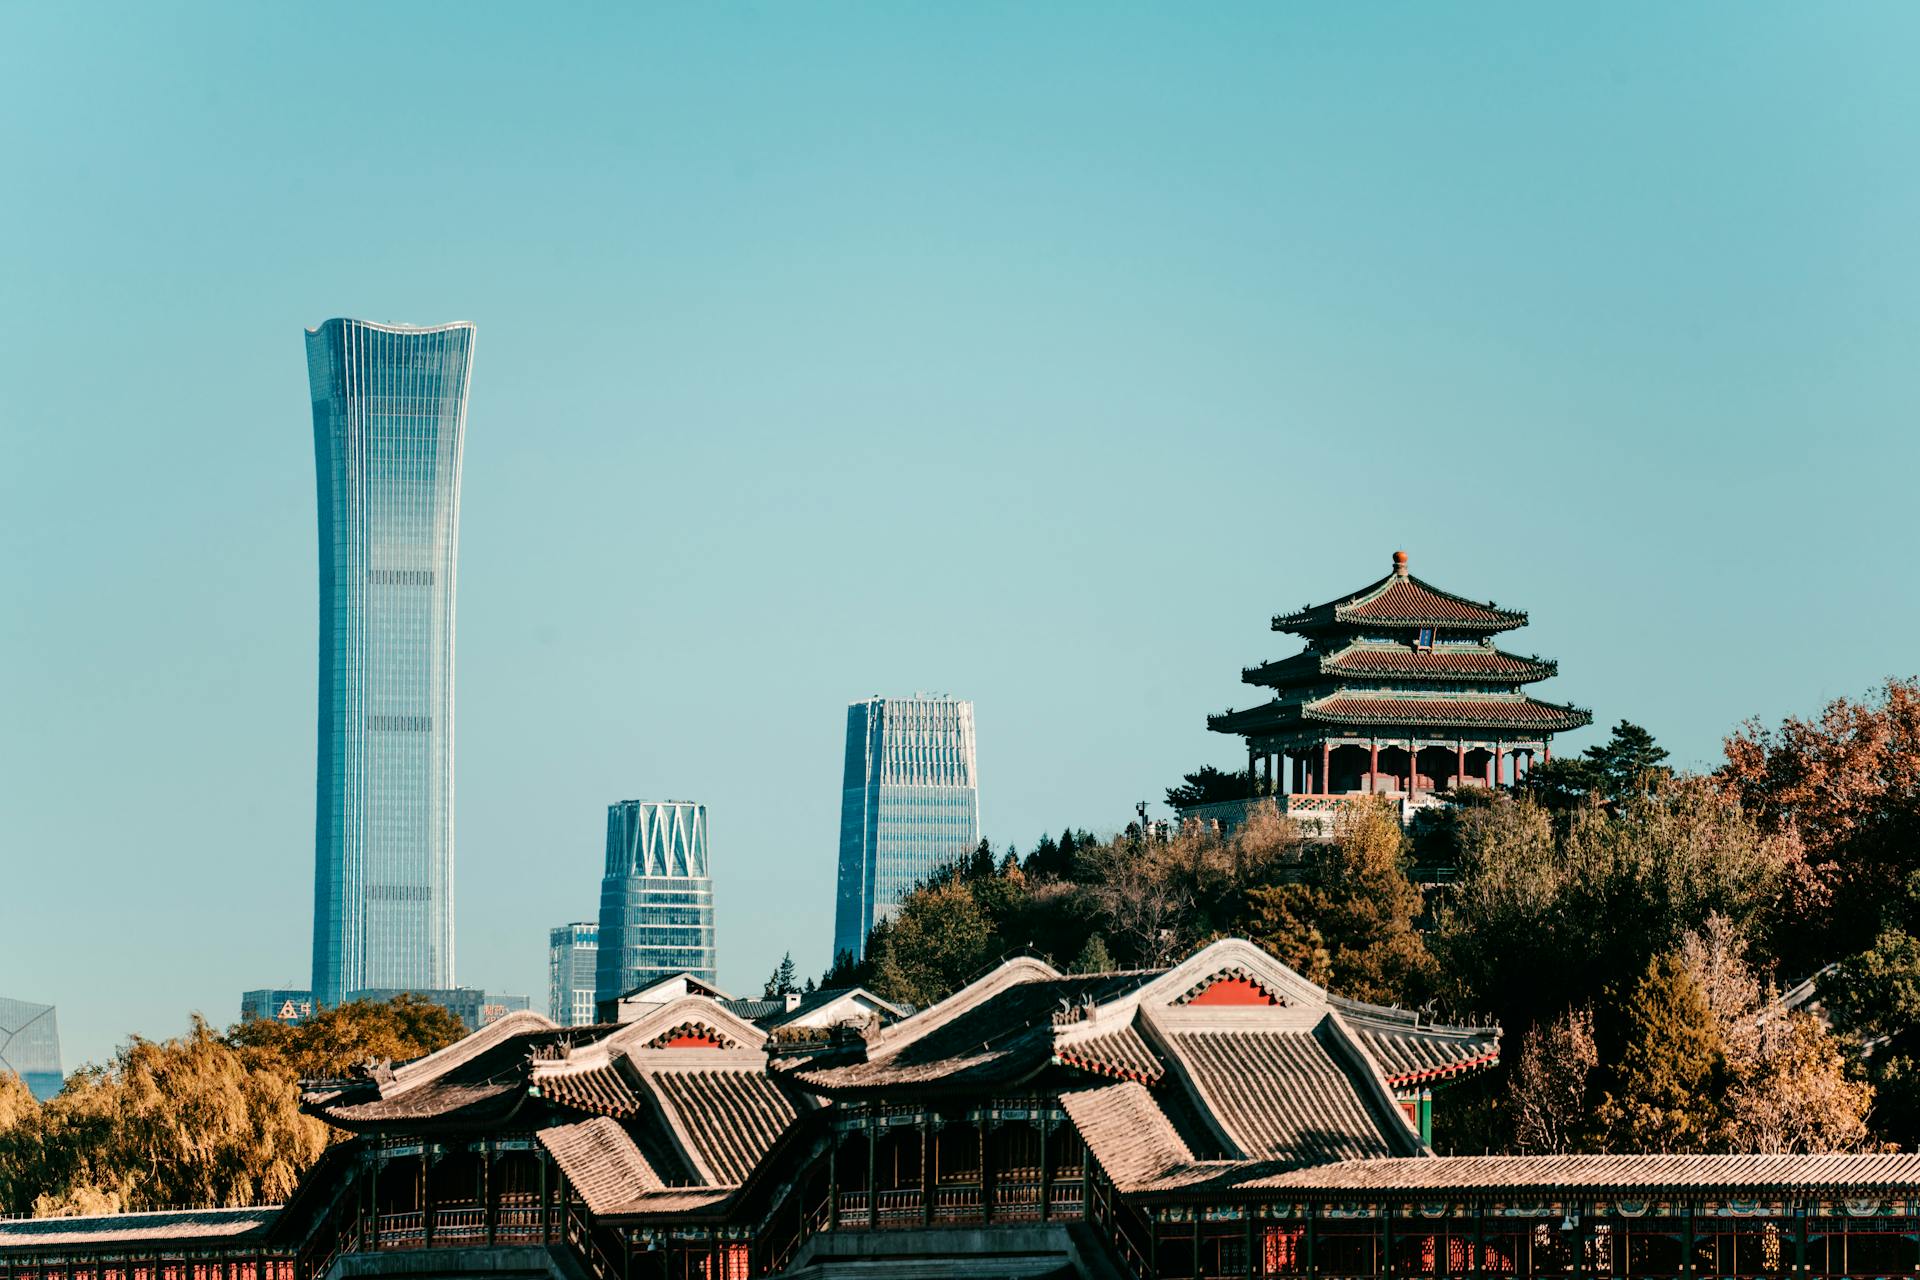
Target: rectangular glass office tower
{"points": [[573, 959], [389, 419], [656, 898], [910, 803]]}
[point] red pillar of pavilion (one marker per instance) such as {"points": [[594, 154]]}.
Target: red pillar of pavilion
{"points": [[1326, 756]]}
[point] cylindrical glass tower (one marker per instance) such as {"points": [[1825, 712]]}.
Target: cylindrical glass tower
{"points": [[389, 419]]}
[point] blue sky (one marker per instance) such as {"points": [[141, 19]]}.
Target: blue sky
{"points": [[1037, 354]]}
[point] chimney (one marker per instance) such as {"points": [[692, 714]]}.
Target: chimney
{"points": [[793, 1001]]}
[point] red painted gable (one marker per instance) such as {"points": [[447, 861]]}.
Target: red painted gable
{"points": [[1235, 991], [689, 1040]]}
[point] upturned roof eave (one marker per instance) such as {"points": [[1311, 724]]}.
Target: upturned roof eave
{"points": [[1278, 675], [1341, 612], [1281, 717]]}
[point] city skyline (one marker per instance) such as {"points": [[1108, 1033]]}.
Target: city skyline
{"points": [[389, 430], [1040, 354]]}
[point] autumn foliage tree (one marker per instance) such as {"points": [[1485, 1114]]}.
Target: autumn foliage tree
{"points": [[204, 1120]]}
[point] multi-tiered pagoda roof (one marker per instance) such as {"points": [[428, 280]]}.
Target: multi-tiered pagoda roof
{"points": [[1401, 688]]}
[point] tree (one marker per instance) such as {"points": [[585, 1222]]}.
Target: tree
{"points": [[1208, 785], [333, 1041], [1550, 914], [1797, 1094], [1666, 1085], [1093, 957], [1846, 786], [186, 1122], [937, 943], [21, 1174], [1628, 761], [1548, 1092], [1874, 1001], [1350, 924], [780, 983]]}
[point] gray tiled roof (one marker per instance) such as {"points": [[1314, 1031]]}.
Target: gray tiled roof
{"points": [[1126, 1131], [600, 1090], [600, 1161], [222, 1225], [1415, 1054], [1122, 1053], [1565, 1173], [730, 1118], [1283, 1094], [1002, 1039]]}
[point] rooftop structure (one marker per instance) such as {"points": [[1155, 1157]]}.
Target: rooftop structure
{"points": [[276, 1004], [909, 804], [1401, 690], [389, 425], [1221, 1118]]}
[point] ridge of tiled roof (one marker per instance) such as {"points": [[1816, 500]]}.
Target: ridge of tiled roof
{"points": [[997, 1030], [434, 1065], [1563, 1174], [482, 1086], [597, 1087], [225, 1225], [600, 1161], [1402, 600]]}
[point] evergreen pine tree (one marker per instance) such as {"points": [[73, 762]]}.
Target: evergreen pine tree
{"points": [[1670, 1077]]}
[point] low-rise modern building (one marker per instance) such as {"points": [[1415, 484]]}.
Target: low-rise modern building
{"points": [[573, 954], [1220, 1118], [30, 1045], [656, 897], [276, 1004]]}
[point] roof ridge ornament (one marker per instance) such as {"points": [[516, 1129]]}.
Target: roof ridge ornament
{"points": [[1399, 564]]}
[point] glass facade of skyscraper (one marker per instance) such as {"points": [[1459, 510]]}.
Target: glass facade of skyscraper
{"points": [[656, 899], [389, 420], [910, 803], [30, 1045], [573, 958]]}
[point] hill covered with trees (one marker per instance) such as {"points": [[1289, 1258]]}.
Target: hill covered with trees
{"points": [[1631, 928]]}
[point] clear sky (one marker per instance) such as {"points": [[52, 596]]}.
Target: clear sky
{"points": [[1032, 353]]}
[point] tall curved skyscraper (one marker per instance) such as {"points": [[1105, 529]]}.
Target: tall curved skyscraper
{"points": [[389, 418]]}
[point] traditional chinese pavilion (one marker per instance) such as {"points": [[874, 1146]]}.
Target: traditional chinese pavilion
{"points": [[1221, 1118], [1401, 690]]}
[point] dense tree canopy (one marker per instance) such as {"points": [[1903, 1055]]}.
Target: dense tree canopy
{"points": [[203, 1120]]}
